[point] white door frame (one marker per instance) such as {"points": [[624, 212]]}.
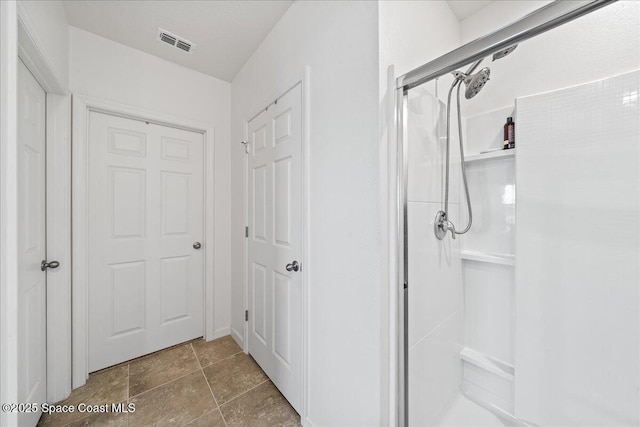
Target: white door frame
{"points": [[82, 106], [19, 41], [304, 79]]}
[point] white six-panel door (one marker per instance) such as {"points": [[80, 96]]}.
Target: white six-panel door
{"points": [[145, 215], [32, 244], [275, 240]]}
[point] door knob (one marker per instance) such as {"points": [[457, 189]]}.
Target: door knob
{"points": [[197, 245], [52, 264], [294, 266]]}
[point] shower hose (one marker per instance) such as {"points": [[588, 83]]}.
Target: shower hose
{"points": [[457, 83]]}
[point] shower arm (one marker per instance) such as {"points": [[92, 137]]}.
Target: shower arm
{"points": [[475, 65], [460, 76]]}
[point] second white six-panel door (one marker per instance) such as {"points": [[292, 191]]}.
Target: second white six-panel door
{"points": [[275, 240], [32, 285], [145, 215]]}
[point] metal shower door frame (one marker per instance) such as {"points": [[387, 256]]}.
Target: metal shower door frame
{"points": [[542, 20]]}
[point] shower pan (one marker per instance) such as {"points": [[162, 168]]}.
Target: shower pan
{"points": [[551, 337]]}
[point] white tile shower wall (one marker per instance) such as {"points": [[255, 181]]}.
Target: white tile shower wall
{"points": [[462, 412], [434, 372], [488, 388], [434, 271], [492, 190], [434, 280], [488, 308], [487, 398], [427, 148], [578, 267]]}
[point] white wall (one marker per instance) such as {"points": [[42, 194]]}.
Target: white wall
{"points": [[339, 42], [496, 15], [48, 22], [415, 32], [9, 174], [103, 69]]}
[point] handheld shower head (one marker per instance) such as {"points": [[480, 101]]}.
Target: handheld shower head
{"points": [[476, 82]]}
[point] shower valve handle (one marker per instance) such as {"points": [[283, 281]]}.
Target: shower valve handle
{"points": [[449, 227], [441, 225]]}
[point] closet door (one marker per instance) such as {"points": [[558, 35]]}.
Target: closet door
{"points": [[145, 238]]}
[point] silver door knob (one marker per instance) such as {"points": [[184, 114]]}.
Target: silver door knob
{"points": [[197, 245], [52, 264], [294, 266]]}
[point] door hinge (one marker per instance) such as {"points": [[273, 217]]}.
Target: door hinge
{"points": [[246, 315], [246, 231]]}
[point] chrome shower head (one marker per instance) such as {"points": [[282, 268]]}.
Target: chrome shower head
{"points": [[475, 82], [501, 54]]}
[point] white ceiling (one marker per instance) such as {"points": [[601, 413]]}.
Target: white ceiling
{"points": [[226, 33], [465, 8]]}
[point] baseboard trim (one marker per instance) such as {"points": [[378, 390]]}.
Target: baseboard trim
{"points": [[222, 332], [238, 337]]}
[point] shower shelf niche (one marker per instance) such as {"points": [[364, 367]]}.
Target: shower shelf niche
{"points": [[490, 155], [502, 259]]}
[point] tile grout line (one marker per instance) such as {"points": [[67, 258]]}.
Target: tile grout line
{"points": [[170, 381], [218, 361], [196, 355], [205, 378], [160, 351], [191, 372], [222, 416], [209, 385], [243, 393], [88, 415]]}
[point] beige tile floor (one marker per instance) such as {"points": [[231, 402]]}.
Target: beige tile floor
{"points": [[198, 383]]}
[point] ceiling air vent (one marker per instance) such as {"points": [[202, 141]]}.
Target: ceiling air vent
{"points": [[167, 38], [186, 46], [175, 41]]}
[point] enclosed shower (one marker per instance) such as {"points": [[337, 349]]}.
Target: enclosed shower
{"points": [[519, 269]]}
